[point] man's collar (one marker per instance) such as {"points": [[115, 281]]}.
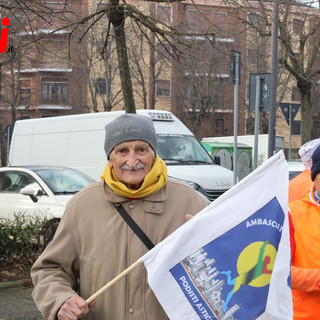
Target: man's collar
{"points": [[160, 195]]}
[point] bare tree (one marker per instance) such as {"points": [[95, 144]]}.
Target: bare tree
{"points": [[299, 40], [147, 61], [102, 69], [258, 61], [299, 54], [202, 90], [205, 94]]}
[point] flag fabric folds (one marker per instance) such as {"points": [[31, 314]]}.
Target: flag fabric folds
{"points": [[232, 260]]}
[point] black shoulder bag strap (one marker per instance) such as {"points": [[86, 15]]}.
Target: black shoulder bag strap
{"points": [[132, 224]]}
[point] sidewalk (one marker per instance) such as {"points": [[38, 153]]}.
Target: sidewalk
{"points": [[17, 304]]}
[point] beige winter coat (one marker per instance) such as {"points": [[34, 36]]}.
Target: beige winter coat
{"points": [[93, 245]]}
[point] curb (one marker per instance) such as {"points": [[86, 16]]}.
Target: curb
{"points": [[13, 284]]}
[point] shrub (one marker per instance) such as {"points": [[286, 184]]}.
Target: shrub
{"points": [[20, 236]]}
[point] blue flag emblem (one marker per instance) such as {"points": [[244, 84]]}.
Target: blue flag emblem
{"points": [[229, 277]]}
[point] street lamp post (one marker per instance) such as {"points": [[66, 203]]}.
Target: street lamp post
{"points": [[274, 76]]}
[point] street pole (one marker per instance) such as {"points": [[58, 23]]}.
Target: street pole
{"points": [[256, 123], [8, 145], [290, 130], [274, 75], [235, 116]]}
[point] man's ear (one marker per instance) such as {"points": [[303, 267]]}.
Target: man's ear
{"points": [[110, 163]]}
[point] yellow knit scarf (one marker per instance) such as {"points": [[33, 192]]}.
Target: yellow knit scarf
{"points": [[155, 179]]}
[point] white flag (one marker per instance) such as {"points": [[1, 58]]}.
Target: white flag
{"points": [[232, 260]]}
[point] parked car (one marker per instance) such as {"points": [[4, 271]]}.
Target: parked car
{"points": [[41, 191], [38, 190], [295, 168]]}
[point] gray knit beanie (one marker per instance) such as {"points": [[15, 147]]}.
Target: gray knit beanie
{"points": [[128, 127]]}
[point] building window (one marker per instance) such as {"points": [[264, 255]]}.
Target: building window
{"points": [[253, 57], [163, 88], [296, 55], [204, 92], [102, 5], [57, 1], [218, 126], [316, 128], [54, 92], [164, 14], [194, 20], [101, 86], [219, 18], [295, 94], [25, 96], [296, 127], [254, 21], [297, 26], [163, 51]]}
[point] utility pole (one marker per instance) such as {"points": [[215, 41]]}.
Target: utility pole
{"points": [[274, 77], [235, 79], [256, 123]]}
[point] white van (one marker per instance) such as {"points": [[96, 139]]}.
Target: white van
{"points": [[77, 141]]}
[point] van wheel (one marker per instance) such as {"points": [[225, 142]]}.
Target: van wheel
{"points": [[48, 231]]}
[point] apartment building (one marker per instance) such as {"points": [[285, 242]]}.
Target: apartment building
{"points": [[59, 75], [43, 73], [202, 90]]}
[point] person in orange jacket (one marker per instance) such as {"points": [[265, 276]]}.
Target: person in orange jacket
{"points": [[305, 245], [302, 183]]}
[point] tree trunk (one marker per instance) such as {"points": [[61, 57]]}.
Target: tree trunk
{"points": [[305, 109], [117, 19], [13, 115], [306, 116], [152, 77]]}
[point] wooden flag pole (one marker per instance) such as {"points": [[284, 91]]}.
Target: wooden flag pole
{"points": [[113, 281]]}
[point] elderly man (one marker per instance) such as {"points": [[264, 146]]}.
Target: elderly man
{"points": [[93, 243], [305, 243]]}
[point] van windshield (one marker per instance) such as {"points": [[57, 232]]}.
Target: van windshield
{"points": [[180, 149]]}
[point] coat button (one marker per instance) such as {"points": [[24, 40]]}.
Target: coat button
{"points": [[131, 310]]}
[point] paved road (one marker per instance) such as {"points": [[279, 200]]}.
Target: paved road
{"points": [[17, 304]]}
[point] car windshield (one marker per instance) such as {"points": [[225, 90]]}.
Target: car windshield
{"points": [[63, 180], [180, 149]]}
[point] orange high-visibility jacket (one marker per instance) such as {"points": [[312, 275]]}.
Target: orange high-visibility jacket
{"points": [[305, 270], [300, 185]]}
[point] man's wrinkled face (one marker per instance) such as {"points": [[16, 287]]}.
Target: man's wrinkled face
{"points": [[131, 161]]}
